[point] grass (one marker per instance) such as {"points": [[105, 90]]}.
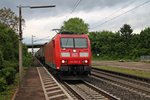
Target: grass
{"points": [[110, 58], [126, 71], [7, 95]]}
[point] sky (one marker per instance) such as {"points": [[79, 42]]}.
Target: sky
{"points": [[99, 14]]}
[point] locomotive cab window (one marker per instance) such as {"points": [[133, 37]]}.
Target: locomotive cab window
{"points": [[73, 42], [80, 42], [67, 43]]}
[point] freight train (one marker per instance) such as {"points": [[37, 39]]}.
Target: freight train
{"points": [[67, 54]]}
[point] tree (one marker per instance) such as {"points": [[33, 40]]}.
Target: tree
{"points": [[126, 31], [145, 42], [103, 43], [9, 18], [9, 48], [9, 56], [93, 40], [75, 25], [1, 60], [126, 34], [145, 38], [8, 43]]}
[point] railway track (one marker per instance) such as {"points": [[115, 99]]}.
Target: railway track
{"points": [[142, 79], [137, 86], [83, 90], [123, 87], [52, 89], [86, 91], [58, 89]]}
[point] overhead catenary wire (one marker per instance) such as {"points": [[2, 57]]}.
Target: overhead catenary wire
{"points": [[128, 4], [76, 4], [45, 38], [115, 12], [74, 8], [121, 14], [122, 8]]}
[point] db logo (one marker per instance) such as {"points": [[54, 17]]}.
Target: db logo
{"points": [[74, 54]]}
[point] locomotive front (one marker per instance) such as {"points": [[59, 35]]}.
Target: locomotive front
{"points": [[75, 54]]}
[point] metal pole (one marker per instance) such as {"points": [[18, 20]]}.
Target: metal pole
{"points": [[32, 45], [40, 6], [20, 46], [32, 52], [20, 36]]}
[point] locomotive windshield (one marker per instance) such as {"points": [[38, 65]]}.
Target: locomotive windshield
{"points": [[73, 42]]}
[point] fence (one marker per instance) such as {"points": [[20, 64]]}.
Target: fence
{"points": [[145, 58]]}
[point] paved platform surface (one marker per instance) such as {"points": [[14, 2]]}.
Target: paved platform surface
{"points": [[31, 88]]}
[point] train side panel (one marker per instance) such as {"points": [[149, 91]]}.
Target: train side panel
{"points": [[40, 54], [49, 55], [52, 53]]}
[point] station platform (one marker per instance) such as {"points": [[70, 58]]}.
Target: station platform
{"points": [[31, 88]]}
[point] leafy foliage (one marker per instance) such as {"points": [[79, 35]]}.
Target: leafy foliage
{"points": [[145, 38], [1, 60], [120, 45], [9, 18], [27, 57], [126, 31], [2, 84], [9, 43], [9, 74], [75, 25], [9, 56], [9, 49]]}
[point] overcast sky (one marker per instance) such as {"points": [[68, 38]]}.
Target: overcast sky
{"points": [[99, 14]]}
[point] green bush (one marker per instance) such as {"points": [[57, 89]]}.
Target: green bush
{"points": [[27, 57], [1, 60], [27, 61], [2, 84], [13, 64], [9, 74], [9, 66]]}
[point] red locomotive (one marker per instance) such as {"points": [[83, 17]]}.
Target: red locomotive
{"points": [[68, 54]]}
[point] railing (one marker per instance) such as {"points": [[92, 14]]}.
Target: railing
{"points": [[145, 58]]}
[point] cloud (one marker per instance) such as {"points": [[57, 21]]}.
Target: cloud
{"points": [[40, 22], [42, 27], [62, 6]]}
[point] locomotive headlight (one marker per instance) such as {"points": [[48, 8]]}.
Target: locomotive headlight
{"points": [[65, 54], [74, 50], [86, 61], [84, 54], [64, 61]]}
